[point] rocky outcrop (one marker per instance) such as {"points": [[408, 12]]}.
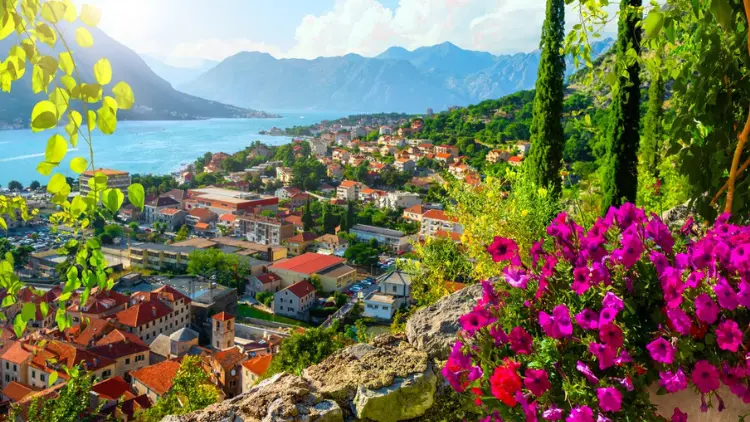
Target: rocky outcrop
{"points": [[433, 329]]}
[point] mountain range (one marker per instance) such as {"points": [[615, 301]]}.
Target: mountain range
{"points": [[154, 97], [177, 75], [397, 80]]}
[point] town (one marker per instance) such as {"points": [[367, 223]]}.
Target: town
{"points": [[232, 255]]}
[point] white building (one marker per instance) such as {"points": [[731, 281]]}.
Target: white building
{"points": [[381, 306], [396, 200], [393, 239]]}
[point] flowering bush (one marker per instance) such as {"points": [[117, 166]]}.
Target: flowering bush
{"points": [[581, 331]]}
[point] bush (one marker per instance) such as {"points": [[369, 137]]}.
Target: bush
{"points": [[265, 298], [591, 319]]}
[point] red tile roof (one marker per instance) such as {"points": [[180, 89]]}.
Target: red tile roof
{"points": [[99, 302], [415, 209], [268, 278], [16, 391], [308, 263], [157, 377], [301, 289], [120, 349], [142, 313], [302, 237], [223, 316], [201, 226], [229, 358], [90, 330], [203, 213], [118, 336], [294, 219], [443, 155], [228, 218], [258, 365], [515, 159], [17, 353], [66, 354], [349, 184], [456, 237], [113, 389], [130, 407], [438, 215]]}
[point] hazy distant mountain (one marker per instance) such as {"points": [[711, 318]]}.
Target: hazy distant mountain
{"points": [[177, 75], [155, 97], [396, 80]]}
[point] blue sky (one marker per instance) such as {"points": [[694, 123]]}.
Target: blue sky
{"points": [[184, 31]]}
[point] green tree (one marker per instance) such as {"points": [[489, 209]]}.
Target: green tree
{"points": [[362, 254], [160, 227], [191, 390], [653, 131], [547, 141], [315, 281], [70, 405], [182, 234], [440, 260], [303, 349], [226, 269], [35, 185], [265, 298], [620, 183], [307, 219], [350, 219], [15, 185]]}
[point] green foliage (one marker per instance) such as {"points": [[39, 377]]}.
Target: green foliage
{"points": [[547, 141], [651, 150], [182, 233], [265, 298], [15, 185], [362, 254], [191, 390], [20, 254], [307, 218], [303, 349], [155, 185], [440, 260], [315, 281], [70, 405], [226, 269]]}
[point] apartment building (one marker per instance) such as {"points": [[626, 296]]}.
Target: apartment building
{"points": [[395, 240], [349, 190], [264, 230], [152, 208], [174, 218], [56, 355], [226, 201], [15, 361], [157, 256], [162, 311], [434, 221], [196, 216], [295, 300], [497, 156], [115, 179], [333, 272], [398, 200], [156, 380], [253, 369], [126, 349], [405, 164], [447, 149]]}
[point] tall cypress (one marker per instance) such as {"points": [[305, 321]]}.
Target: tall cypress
{"points": [[547, 140], [653, 131], [620, 182], [307, 218]]}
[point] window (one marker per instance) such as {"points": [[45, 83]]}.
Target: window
{"points": [[127, 361], [139, 358], [42, 377], [394, 289], [106, 374], [7, 378], [217, 344], [15, 368], [7, 365], [33, 374]]}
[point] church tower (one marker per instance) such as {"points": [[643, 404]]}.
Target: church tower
{"points": [[222, 331]]}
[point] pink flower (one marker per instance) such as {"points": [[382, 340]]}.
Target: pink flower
{"points": [[588, 319], [705, 308], [586, 371], [516, 277], [673, 381], [680, 321], [520, 341], [627, 382], [602, 418], [554, 413], [497, 333], [659, 232], [679, 416], [604, 353], [580, 414], [607, 315], [489, 295], [536, 381], [729, 336], [581, 281], [630, 252], [502, 249], [694, 279], [557, 325], [733, 377], [661, 351], [611, 335], [740, 257], [726, 295], [610, 399], [612, 301], [628, 214], [743, 297], [705, 376], [476, 320]]}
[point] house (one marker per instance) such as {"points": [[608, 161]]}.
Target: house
{"points": [[284, 175], [447, 149], [326, 189], [299, 200], [116, 179], [397, 284], [371, 195], [405, 164], [417, 125], [444, 158], [162, 311], [129, 213], [333, 272], [459, 170], [386, 150], [385, 130], [376, 167], [151, 209], [286, 192], [15, 360], [126, 349], [436, 220], [298, 244], [53, 355], [395, 141], [380, 306], [296, 221], [173, 346], [264, 230], [318, 147], [217, 160], [340, 155], [201, 215], [348, 190], [414, 213], [227, 201], [154, 381], [15, 391], [268, 282], [100, 304], [523, 148], [515, 160], [253, 369], [342, 138], [403, 132], [395, 240], [335, 171], [226, 366], [229, 223], [426, 148], [178, 195], [497, 156], [397, 200], [158, 256], [330, 243], [295, 300], [172, 217]]}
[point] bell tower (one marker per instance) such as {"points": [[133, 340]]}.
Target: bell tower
{"points": [[222, 331]]}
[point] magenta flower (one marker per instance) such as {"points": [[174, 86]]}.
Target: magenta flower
{"points": [[661, 351], [729, 336], [489, 295], [557, 325], [599, 274], [659, 233], [553, 413], [476, 320], [586, 371], [623, 358], [475, 373], [701, 254], [610, 399], [588, 319], [581, 281], [497, 333], [536, 251], [680, 321], [516, 277], [673, 381], [743, 297], [740, 257], [679, 416], [607, 315], [627, 383], [604, 353], [628, 214], [611, 335], [602, 418], [580, 414], [734, 378], [687, 227], [694, 279], [502, 249], [659, 260], [726, 295], [612, 301], [630, 252], [705, 376], [536, 381], [705, 308], [520, 341]]}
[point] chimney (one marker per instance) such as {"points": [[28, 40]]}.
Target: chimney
{"points": [[153, 311]]}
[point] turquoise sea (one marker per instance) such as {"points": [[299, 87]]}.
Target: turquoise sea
{"points": [[157, 147]]}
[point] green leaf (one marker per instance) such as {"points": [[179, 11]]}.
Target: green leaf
{"points": [[112, 199], [7, 25], [110, 102], [44, 168], [3, 224], [46, 34], [653, 23], [52, 378], [19, 326], [56, 183], [70, 11], [91, 120], [722, 11], [79, 164], [68, 82], [56, 149], [103, 72], [60, 98], [136, 195], [74, 123], [53, 11], [91, 15], [106, 120], [38, 80], [124, 95], [65, 61], [91, 93], [77, 206], [84, 38], [28, 312], [44, 308], [44, 116]]}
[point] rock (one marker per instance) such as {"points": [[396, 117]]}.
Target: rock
{"points": [[387, 380], [282, 397], [676, 217], [433, 329]]}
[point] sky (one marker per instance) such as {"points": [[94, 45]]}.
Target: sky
{"points": [[184, 32]]}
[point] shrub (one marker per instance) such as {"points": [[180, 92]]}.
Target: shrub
{"points": [[265, 298], [591, 319]]}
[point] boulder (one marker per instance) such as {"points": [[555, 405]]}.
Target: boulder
{"points": [[282, 397], [385, 381], [433, 329]]}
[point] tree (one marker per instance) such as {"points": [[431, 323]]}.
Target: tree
{"points": [[15, 185], [350, 220], [440, 260], [70, 405], [226, 269], [35, 185], [265, 298], [191, 390], [340, 299], [362, 254], [182, 234], [307, 218], [20, 254], [653, 132], [547, 140], [160, 227], [315, 281], [303, 349], [620, 182]]}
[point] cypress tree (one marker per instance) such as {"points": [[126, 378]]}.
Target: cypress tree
{"points": [[307, 218], [350, 220], [653, 131], [547, 140], [620, 182]]}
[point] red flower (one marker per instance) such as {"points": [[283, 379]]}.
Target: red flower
{"points": [[505, 382], [478, 393]]}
